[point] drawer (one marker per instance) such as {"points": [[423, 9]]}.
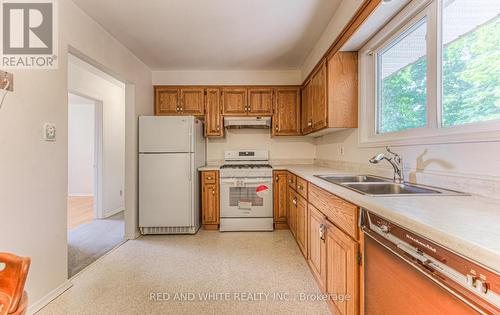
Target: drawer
{"points": [[209, 177], [340, 212], [302, 187], [292, 181]]}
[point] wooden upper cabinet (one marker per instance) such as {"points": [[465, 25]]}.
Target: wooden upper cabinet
{"points": [[192, 101], [213, 117], [167, 101], [306, 114], [343, 90], [280, 197], [260, 101], [319, 106], [234, 101], [286, 118], [342, 273]]}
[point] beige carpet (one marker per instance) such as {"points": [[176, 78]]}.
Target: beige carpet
{"points": [[90, 241], [209, 262]]}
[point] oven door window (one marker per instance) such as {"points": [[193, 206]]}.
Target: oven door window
{"points": [[244, 197]]}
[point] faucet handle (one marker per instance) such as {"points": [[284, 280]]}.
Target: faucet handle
{"points": [[394, 154]]}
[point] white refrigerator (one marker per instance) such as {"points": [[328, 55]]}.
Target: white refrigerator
{"points": [[170, 151]]}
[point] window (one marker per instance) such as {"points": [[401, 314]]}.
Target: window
{"points": [[432, 74], [471, 61], [402, 81]]}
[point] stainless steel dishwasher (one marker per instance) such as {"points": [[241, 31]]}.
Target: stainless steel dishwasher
{"points": [[405, 273]]}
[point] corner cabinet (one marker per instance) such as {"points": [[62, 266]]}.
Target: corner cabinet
{"points": [[210, 200], [286, 117], [330, 95]]}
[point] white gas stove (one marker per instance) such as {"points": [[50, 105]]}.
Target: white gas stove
{"points": [[246, 185]]}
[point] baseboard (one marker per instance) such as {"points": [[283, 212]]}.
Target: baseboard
{"points": [[133, 236], [41, 303], [113, 212]]}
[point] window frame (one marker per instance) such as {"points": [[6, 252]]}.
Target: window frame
{"points": [[434, 132]]}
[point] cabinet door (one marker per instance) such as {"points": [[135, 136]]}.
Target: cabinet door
{"points": [[192, 101], [343, 90], [213, 117], [306, 114], [319, 108], [317, 246], [286, 118], [280, 196], [301, 234], [342, 270], [210, 197], [234, 101], [292, 212], [167, 101], [260, 101]]}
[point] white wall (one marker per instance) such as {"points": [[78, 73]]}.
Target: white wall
{"points": [[281, 149], [84, 79], [34, 181], [286, 77], [341, 17], [81, 133]]}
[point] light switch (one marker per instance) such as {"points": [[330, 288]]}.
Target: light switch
{"points": [[49, 132]]}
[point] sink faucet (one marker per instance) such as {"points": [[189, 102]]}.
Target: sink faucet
{"points": [[396, 162]]}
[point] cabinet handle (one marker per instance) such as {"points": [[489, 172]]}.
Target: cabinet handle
{"points": [[213, 192], [294, 201], [209, 178], [299, 187], [218, 128], [277, 178], [310, 123], [249, 109], [322, 231]]}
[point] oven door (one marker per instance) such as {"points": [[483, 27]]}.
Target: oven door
{"points": [[246, 197]]}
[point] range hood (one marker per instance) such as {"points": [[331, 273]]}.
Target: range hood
{"points": [[247, 122]]}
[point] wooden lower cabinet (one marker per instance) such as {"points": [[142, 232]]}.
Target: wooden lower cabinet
{"points": [[301, 224], [210, 199], [292, 212], [317, 246], [342, 275], [333, 259], [280, 199]]}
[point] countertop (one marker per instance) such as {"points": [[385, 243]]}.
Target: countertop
{"points": [[468, 225]]}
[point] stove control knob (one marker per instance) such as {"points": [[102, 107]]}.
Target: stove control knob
{"points": [[384, 228]]}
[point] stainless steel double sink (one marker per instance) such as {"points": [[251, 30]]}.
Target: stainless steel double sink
{"points": [[380, 186]]}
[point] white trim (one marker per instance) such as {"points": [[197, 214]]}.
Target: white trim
{"points": [[80, 195], [133, 236], [44, 301], [110, 213], [433, 133]]}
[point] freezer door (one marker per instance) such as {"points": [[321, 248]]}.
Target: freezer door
{"points": [[166, 190], [159, 134]]}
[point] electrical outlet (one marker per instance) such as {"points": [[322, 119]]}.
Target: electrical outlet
{"points": [[121, 192], [49, 132], [342, 151]]}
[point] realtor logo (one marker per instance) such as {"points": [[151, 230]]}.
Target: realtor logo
{"points": [[29, 34]]}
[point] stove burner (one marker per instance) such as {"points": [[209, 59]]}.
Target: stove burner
{"points": [[241, 166]]}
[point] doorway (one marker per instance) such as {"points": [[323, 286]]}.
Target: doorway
{"points": [[84, 160], [96, 164]]}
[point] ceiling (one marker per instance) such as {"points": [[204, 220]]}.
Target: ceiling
{"points": [[215, 34]]}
